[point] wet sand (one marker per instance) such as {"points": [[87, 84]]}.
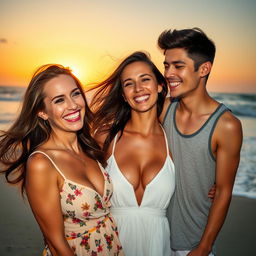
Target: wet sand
{"points": [[238, 234], [19, 232], [20, 235]]}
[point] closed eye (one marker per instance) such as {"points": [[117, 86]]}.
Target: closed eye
{"points": [[127, 84], [58, 100], [145, 79], [76, 93]]}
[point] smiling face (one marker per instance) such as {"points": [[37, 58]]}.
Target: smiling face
{"points": [[64, 104], [180, 72], [140, 87]]}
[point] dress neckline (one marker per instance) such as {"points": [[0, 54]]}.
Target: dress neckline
{"points": [[66, 180], [151, 181]]}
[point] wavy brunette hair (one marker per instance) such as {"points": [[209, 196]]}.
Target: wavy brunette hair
{"points": [[30, 131], [111, 112]]}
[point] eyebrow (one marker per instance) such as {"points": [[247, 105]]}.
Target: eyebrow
{"points": [[128, 79], [62, 95], [175, 62]]}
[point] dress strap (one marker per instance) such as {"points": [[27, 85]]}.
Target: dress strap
{"points": [[114, 144], [166, 141], [59, 171]]}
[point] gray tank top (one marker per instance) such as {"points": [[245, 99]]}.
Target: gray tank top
{"points": [[195, 174]]}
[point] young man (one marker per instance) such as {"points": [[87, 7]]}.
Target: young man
{"points": [[205, 138]]}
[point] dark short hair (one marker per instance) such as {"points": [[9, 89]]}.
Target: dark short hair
{"points": [[198, 46]]}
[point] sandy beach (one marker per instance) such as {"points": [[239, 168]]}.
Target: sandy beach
{"points": [[238, 235], [20, 235]]}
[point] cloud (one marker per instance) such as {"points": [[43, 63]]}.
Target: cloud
{"points": [[3, 41]]}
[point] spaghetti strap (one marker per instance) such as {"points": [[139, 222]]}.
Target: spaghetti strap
{"points": [[114, 144], [56, 167], [166, 142]]}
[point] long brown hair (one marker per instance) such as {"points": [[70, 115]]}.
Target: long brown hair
{"points": [[29, 131], [111, 111]]}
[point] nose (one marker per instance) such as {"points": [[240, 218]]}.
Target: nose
{"points": [[138, 86], [169, 72], [72, 104]]}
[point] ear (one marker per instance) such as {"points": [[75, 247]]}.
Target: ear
{"points": [[205, 69], [42, 115], [159, 88]]}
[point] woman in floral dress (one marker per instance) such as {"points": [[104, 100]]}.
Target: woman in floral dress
{"points": [[49, 150]]}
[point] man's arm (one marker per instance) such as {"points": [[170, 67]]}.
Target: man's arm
{"points": [[227, 139]]}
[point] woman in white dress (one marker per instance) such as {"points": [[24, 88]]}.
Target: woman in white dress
{"points": [[128, 104]]}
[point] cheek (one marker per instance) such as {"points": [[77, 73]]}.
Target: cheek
{"points": [[56, 111], [81, 102], [125, 94]]}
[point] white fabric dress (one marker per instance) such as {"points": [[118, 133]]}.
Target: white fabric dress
{"points": [[143, 230]]}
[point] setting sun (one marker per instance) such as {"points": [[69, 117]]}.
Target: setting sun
{"points": [[78, 69]]}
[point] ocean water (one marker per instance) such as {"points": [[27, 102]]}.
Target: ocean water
{"points": [[242, 105]]}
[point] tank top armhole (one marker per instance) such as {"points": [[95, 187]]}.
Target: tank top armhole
{"points": [[212, 131], [56, 167]]}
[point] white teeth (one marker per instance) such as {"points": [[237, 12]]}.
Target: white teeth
{"points": [[174, 84], [73, 116], [141, 98]]}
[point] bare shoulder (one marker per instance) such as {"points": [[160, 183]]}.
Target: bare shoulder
{"points": [[167, 103], [229, 131], [229, 123], [39, 164]]}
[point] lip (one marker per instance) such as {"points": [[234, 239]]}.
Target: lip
{"points": [[141, 98], [174, 84], [73, 117]]}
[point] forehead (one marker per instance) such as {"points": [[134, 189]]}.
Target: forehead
{"points": [[62, 84], [176, 54], [136, 68]]}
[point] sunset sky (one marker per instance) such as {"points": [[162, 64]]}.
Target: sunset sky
{"points": [[92, 36]]}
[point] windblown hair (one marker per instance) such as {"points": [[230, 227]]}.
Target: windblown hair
{"points": [[198, 46], [111, 111], [30, 131]]}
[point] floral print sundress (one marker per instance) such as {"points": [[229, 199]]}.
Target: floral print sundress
{"points": [[89, 227]]}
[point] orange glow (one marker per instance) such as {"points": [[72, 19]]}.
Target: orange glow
{"points": [[37, 33]]}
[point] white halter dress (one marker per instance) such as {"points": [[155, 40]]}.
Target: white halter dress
{"points": [[143, 230]]}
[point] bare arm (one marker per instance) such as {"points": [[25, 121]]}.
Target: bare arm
{"points": [[228, 136], [44, 198]]}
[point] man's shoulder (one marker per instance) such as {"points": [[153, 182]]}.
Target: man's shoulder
{"points": [[229, 124], [229, 119]]}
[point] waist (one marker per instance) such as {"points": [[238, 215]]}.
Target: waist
{"points": [[83, 230], [118, 211]]}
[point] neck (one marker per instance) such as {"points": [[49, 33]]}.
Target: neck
{"points": [[195, 101], [143, 123], [67, 141]]}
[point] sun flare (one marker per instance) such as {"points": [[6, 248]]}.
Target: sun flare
{"points": [[77, 68]]}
